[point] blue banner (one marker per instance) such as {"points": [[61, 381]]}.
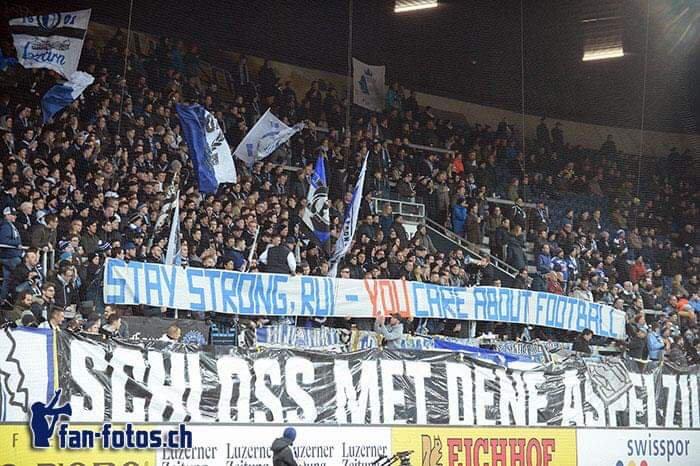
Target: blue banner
{"points": [[231, 292]]}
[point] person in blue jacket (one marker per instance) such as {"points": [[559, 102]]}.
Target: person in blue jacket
{"points": [[10, 247], [459, 216], [655, 343]]}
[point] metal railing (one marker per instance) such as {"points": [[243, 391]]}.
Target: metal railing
{"points": [[412, 212], [497, 263]]}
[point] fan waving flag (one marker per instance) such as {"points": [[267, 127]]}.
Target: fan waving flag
{"points": [[211, 155], [173, 254], [315, 216], [53, 41], [62, 95], [342, 246], [264, 138]]}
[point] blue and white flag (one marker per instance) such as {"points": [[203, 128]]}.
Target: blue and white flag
{"points": [[264, 138], [173, 255], [368, 85], [315, 216], [211, 155], [62, 95], [342, 246], [53, 41]]}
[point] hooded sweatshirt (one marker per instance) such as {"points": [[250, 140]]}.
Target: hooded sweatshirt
{"points": [[282, 452]]}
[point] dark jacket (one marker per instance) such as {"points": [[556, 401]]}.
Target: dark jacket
{"points": [[516, 253], [282, 453], [581, 345], [9, 236]]}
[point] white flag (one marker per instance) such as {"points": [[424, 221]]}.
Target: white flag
{"points": [[342, 246], [173, 254], [264, 138], [52, 41], [368, 85]]}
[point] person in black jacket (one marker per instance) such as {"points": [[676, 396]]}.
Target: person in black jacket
{"points": [[10, 248], [279, 258], [582, 343], [637, 333], [282, 454], [516, 249]]}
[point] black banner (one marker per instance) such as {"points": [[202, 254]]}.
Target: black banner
{"points": [[161, 382], [195, 332]]}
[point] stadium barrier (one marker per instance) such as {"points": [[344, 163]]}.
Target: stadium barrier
{"points": [[236, 445]]}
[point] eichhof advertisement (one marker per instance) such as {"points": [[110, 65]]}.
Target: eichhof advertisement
{"points": [[626, 447], [227, 445], [452, 446]]}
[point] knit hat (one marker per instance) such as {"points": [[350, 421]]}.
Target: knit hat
{"points": [[290, 434]]}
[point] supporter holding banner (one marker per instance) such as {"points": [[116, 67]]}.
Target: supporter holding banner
{"points": [[173, 253], [271, 294], [344, 243], [368, 85], [62, 95], [264, 138], [53, 41], [211, 155], [315, 217]]}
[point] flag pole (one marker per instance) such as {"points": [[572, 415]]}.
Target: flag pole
{"points": [[349, 80], [252, 248]]}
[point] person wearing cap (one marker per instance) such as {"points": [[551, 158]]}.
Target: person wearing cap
{"points": [[279, 258], [10, 248], [282, 454]]}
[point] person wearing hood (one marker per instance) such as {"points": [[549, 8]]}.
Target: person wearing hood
{"points": [[282, 454]]}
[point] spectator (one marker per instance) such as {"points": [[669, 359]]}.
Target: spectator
{"points": [[27, 276], [10, 248], [608, 149], [522, 281], [44, 235], [582, 343], [42, 305], [655, 343], [516, 249], [392, 333], [544, 261], [113, 325], [474, 226], [55, 320], [459, 216], [172, 334], [66, 293], [637, 333], [582, 290], [279, 258]]}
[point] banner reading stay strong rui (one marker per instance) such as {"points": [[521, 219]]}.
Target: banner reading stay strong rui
{"points": [[228, 292]]}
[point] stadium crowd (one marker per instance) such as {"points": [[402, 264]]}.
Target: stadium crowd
{"points": [[90, 184]]}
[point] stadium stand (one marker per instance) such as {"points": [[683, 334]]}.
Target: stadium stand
{"points": [[447, 202]]}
